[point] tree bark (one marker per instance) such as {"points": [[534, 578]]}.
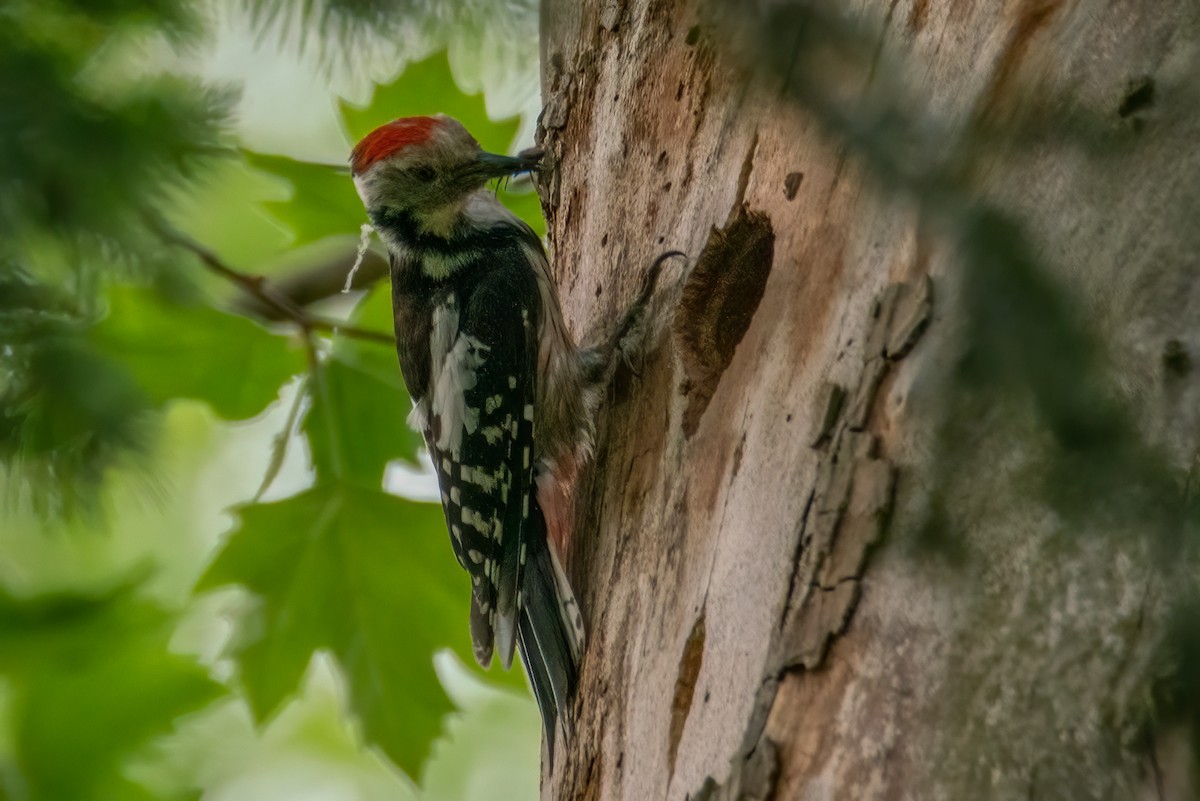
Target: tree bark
{"points": [[827, 549]]}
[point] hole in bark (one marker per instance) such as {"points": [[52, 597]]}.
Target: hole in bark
{"points": [[738, 453], [791, 184], [599, 289], [1139, 96], [1175, 358], [685, 684], [604, 240], [720, 297], [693, 36]]}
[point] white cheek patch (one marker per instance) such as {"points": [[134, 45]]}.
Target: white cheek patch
{"points": [[362, 185]]}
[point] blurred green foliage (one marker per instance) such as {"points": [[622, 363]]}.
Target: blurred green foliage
{"points": [[110, 339], [349, 388], [79, 708], [191, 350]]}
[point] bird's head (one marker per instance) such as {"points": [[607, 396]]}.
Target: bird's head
{"points": [[425, 165]]}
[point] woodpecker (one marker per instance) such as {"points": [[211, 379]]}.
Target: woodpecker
{"points": [[499, 388]]}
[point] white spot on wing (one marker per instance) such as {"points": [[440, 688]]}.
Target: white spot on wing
{"points": [[456, 375], [479, 477], [442, 333], [476, 521], [418, 418]]}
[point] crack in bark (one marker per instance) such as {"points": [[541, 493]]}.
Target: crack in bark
{"points": [[743, 179], [801, 542], [1156, 769], [1034, 16], [690, 663]]}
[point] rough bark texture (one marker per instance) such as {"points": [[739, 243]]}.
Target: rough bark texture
{"points": [[762, 622]]}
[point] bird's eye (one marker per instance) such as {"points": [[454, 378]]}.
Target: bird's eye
{"points": [[423, 173]]}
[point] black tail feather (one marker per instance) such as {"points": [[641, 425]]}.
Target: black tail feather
{"points": [[544, 642]]}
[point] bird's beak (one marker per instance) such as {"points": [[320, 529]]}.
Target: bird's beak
{"points": [[494, 166]]}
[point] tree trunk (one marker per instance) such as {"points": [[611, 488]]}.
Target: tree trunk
{"points": [[882, 510]]}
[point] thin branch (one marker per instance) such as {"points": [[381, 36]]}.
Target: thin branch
{"points": [[259, 288], [317, 279], [280, 446]]}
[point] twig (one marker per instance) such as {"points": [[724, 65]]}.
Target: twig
{"points": [[258, 287], [279, 447]]}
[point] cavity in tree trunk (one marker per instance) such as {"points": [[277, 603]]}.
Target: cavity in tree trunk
{"points": [[896, 503]]}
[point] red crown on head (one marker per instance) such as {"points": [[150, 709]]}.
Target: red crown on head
{"points": [[391, 138]]}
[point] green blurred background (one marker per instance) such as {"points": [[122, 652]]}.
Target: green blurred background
{"points": [[221, 575]]}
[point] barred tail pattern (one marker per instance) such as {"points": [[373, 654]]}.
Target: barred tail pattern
{"points": [[550, 635]]}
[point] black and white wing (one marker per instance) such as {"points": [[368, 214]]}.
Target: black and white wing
{"points": [[480, 436]]}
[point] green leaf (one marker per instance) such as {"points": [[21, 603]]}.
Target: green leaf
{"points": [[367, 576], [356, 423], [195, 351], [374, 312], [92, 681], [494, 741], [428, 87], [526, 205], [224, 209], [322, 203]]}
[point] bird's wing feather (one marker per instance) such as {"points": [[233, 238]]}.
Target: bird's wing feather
{"points": [[482, 441]]}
